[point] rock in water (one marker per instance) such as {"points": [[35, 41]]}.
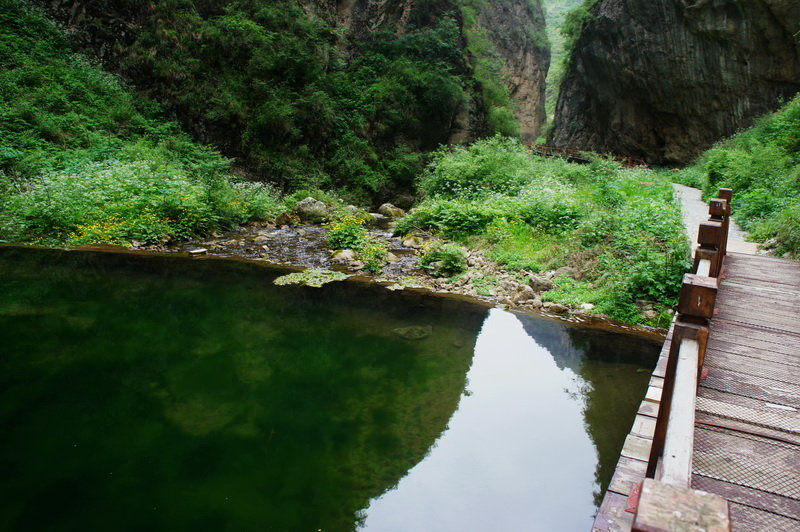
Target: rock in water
{"points": [[344, 256], [414, 332], [312, 210]]}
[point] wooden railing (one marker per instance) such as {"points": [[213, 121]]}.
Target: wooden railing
{"points": [[666, 491]]}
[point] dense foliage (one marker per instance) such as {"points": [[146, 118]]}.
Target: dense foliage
{"points": [[762, 166], [83, 161], [619, 229], [301, 100]]}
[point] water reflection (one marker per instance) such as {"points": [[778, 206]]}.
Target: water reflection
{"points": [[167, 394], [528, 446]]}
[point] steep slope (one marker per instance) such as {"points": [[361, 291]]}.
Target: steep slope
{"points": [[345, 94], [83, 160], [663, 80]]}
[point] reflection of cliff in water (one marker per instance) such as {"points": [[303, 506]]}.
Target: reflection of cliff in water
{"points": [[221, 400], [610, 366]]}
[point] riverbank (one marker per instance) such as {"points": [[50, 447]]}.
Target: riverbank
{"points": [[485, 281]]}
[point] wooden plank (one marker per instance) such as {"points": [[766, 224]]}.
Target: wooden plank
{"points": [[748, 519], [629, 472], [612, 517], [653, 394], [752, 366], [664, 506], [771, 322], [713, 421], [677, 455], [636, 447], [743, 299], [749, 496], [703, 267], [648, 408], [742, 400], [775, 419], [769, 390], [781, 315], [749, 461], [736, 333], [643, 426], [750, 355]]}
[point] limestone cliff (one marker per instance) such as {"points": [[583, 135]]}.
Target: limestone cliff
{"points": [[517, 30], [665, 79]]}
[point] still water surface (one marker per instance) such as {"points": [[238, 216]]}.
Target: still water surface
{"points": [[160, 393]]}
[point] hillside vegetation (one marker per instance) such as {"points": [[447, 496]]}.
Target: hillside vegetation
{"points": [[617, 231], [302, 99], [762, 166], [84, 161]]}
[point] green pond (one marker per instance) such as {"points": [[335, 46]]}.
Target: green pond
{"points": [[145, 392]]}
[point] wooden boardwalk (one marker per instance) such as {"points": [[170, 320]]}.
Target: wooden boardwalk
{"points": [[746, 445], [747, 422]]}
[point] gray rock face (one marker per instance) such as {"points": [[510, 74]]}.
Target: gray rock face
{"points": [[517, 30], [664, 79]]}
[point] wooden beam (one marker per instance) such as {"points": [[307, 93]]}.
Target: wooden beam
{"points": [[664, 507], [676, 466], [698, 296], [727, 195]]}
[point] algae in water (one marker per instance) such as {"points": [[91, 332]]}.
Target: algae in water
{"points": [[311, 277]]}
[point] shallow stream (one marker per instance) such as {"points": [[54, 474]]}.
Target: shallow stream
{"points": [[157, 392]]}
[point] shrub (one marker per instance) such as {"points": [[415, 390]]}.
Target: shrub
{"points": [[498, 165], [451, 218], [119, 202], [443, 259], [784, 227], [373, 253], [347, 233]]}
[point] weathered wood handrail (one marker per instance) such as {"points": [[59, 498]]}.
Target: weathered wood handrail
{"points": [[695, 307], [669, 468]]}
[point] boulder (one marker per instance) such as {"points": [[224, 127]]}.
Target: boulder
{"points": [[312, 210], [286, 218], [390, 211], [344, 256], [523, 293], [566, 271], [558, 308], [539, 284], [413, 241]]}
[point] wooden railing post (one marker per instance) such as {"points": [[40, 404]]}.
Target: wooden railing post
{"points": [[727, 195], [709, 238]]}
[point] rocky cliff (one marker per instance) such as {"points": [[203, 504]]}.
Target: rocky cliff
{"points": [[517, 30], [665, 79]]}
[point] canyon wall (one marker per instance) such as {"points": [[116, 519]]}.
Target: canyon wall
{"points": [[663, 80]]}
